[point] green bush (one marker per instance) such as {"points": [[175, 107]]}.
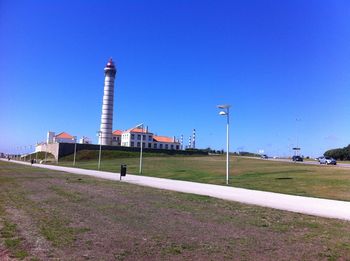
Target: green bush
{"points": [[339, 154]]}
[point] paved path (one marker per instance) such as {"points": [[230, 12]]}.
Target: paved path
{"points": [[306, 205]]}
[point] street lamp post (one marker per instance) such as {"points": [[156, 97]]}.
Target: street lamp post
{"points": [[99, 133], [141, 147], [47, 144], [297, 151], [30, 153], [226, 112], [75, 149]]}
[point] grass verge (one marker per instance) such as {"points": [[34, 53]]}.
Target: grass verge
{"points": [[87, 218], [282, 177]]}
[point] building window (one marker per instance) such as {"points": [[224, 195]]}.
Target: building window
{"points": [[132, 136], [138, 144], [155, 145], [149, 145], [161, 146], [138, 137], [166, 146], [172, 147], [143, 145], [149, 138], [132, 144], [114, 138], [177, 147]]}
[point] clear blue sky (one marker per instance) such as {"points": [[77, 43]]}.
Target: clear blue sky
{"points": [[273, 61]]}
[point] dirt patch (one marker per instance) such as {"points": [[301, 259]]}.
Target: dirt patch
{"points": [[4, 253], [28, 230]]}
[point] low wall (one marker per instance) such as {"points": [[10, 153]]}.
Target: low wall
{"points": [[52, 148], [68, 148]]}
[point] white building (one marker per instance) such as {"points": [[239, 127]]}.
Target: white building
{"points": [[132, 138], [84, 140], [116, 138], [62, 137]]}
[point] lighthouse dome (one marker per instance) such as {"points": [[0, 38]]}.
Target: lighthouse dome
{"points": [[110, 64]]}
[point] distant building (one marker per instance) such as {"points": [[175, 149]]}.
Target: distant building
{"points": [[132, 138], [116, 138], [84, 140], [62, 137], [127, 138], [52, 142]]}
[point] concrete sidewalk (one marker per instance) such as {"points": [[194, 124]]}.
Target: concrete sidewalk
{"points": [[305, 205]]}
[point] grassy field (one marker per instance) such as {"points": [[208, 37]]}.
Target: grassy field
{"points": [[49, 215], [283, 177]]}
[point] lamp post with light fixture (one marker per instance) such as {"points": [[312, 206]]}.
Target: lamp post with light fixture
{"points": [[141, 147], [30, 152], [297, 149], [226, 112], [99, 133], [75, 149]]}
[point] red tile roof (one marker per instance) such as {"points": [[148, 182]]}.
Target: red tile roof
{"points": [[64, 135], [138, 130], [117, 132], [163, 139]]}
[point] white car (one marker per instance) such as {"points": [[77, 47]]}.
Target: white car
{"points": [[327, 161]]}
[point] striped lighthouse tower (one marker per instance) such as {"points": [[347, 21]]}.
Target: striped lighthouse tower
{"points": [[107, 105]]}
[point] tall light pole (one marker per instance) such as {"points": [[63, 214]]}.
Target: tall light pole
{"points": [[137, 126], [99, 133], [46, 152], [297, 149], [30, 152], [75, 149], [36, 153], [226, 111]]}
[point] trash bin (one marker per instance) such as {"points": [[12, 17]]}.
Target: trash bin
{"points": [[122, 170]]}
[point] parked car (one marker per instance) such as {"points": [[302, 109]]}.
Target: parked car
{"points": [[327, 161], [297, 158], [264, 156]]}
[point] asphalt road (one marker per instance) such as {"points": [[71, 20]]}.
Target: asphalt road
{"points": [[339, 165], [305, 205]]}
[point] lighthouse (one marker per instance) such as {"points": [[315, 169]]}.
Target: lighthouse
{"points": [[105, 133]]}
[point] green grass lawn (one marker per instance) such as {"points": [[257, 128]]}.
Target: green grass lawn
{"points": [[51, 215], [283, 177]]}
